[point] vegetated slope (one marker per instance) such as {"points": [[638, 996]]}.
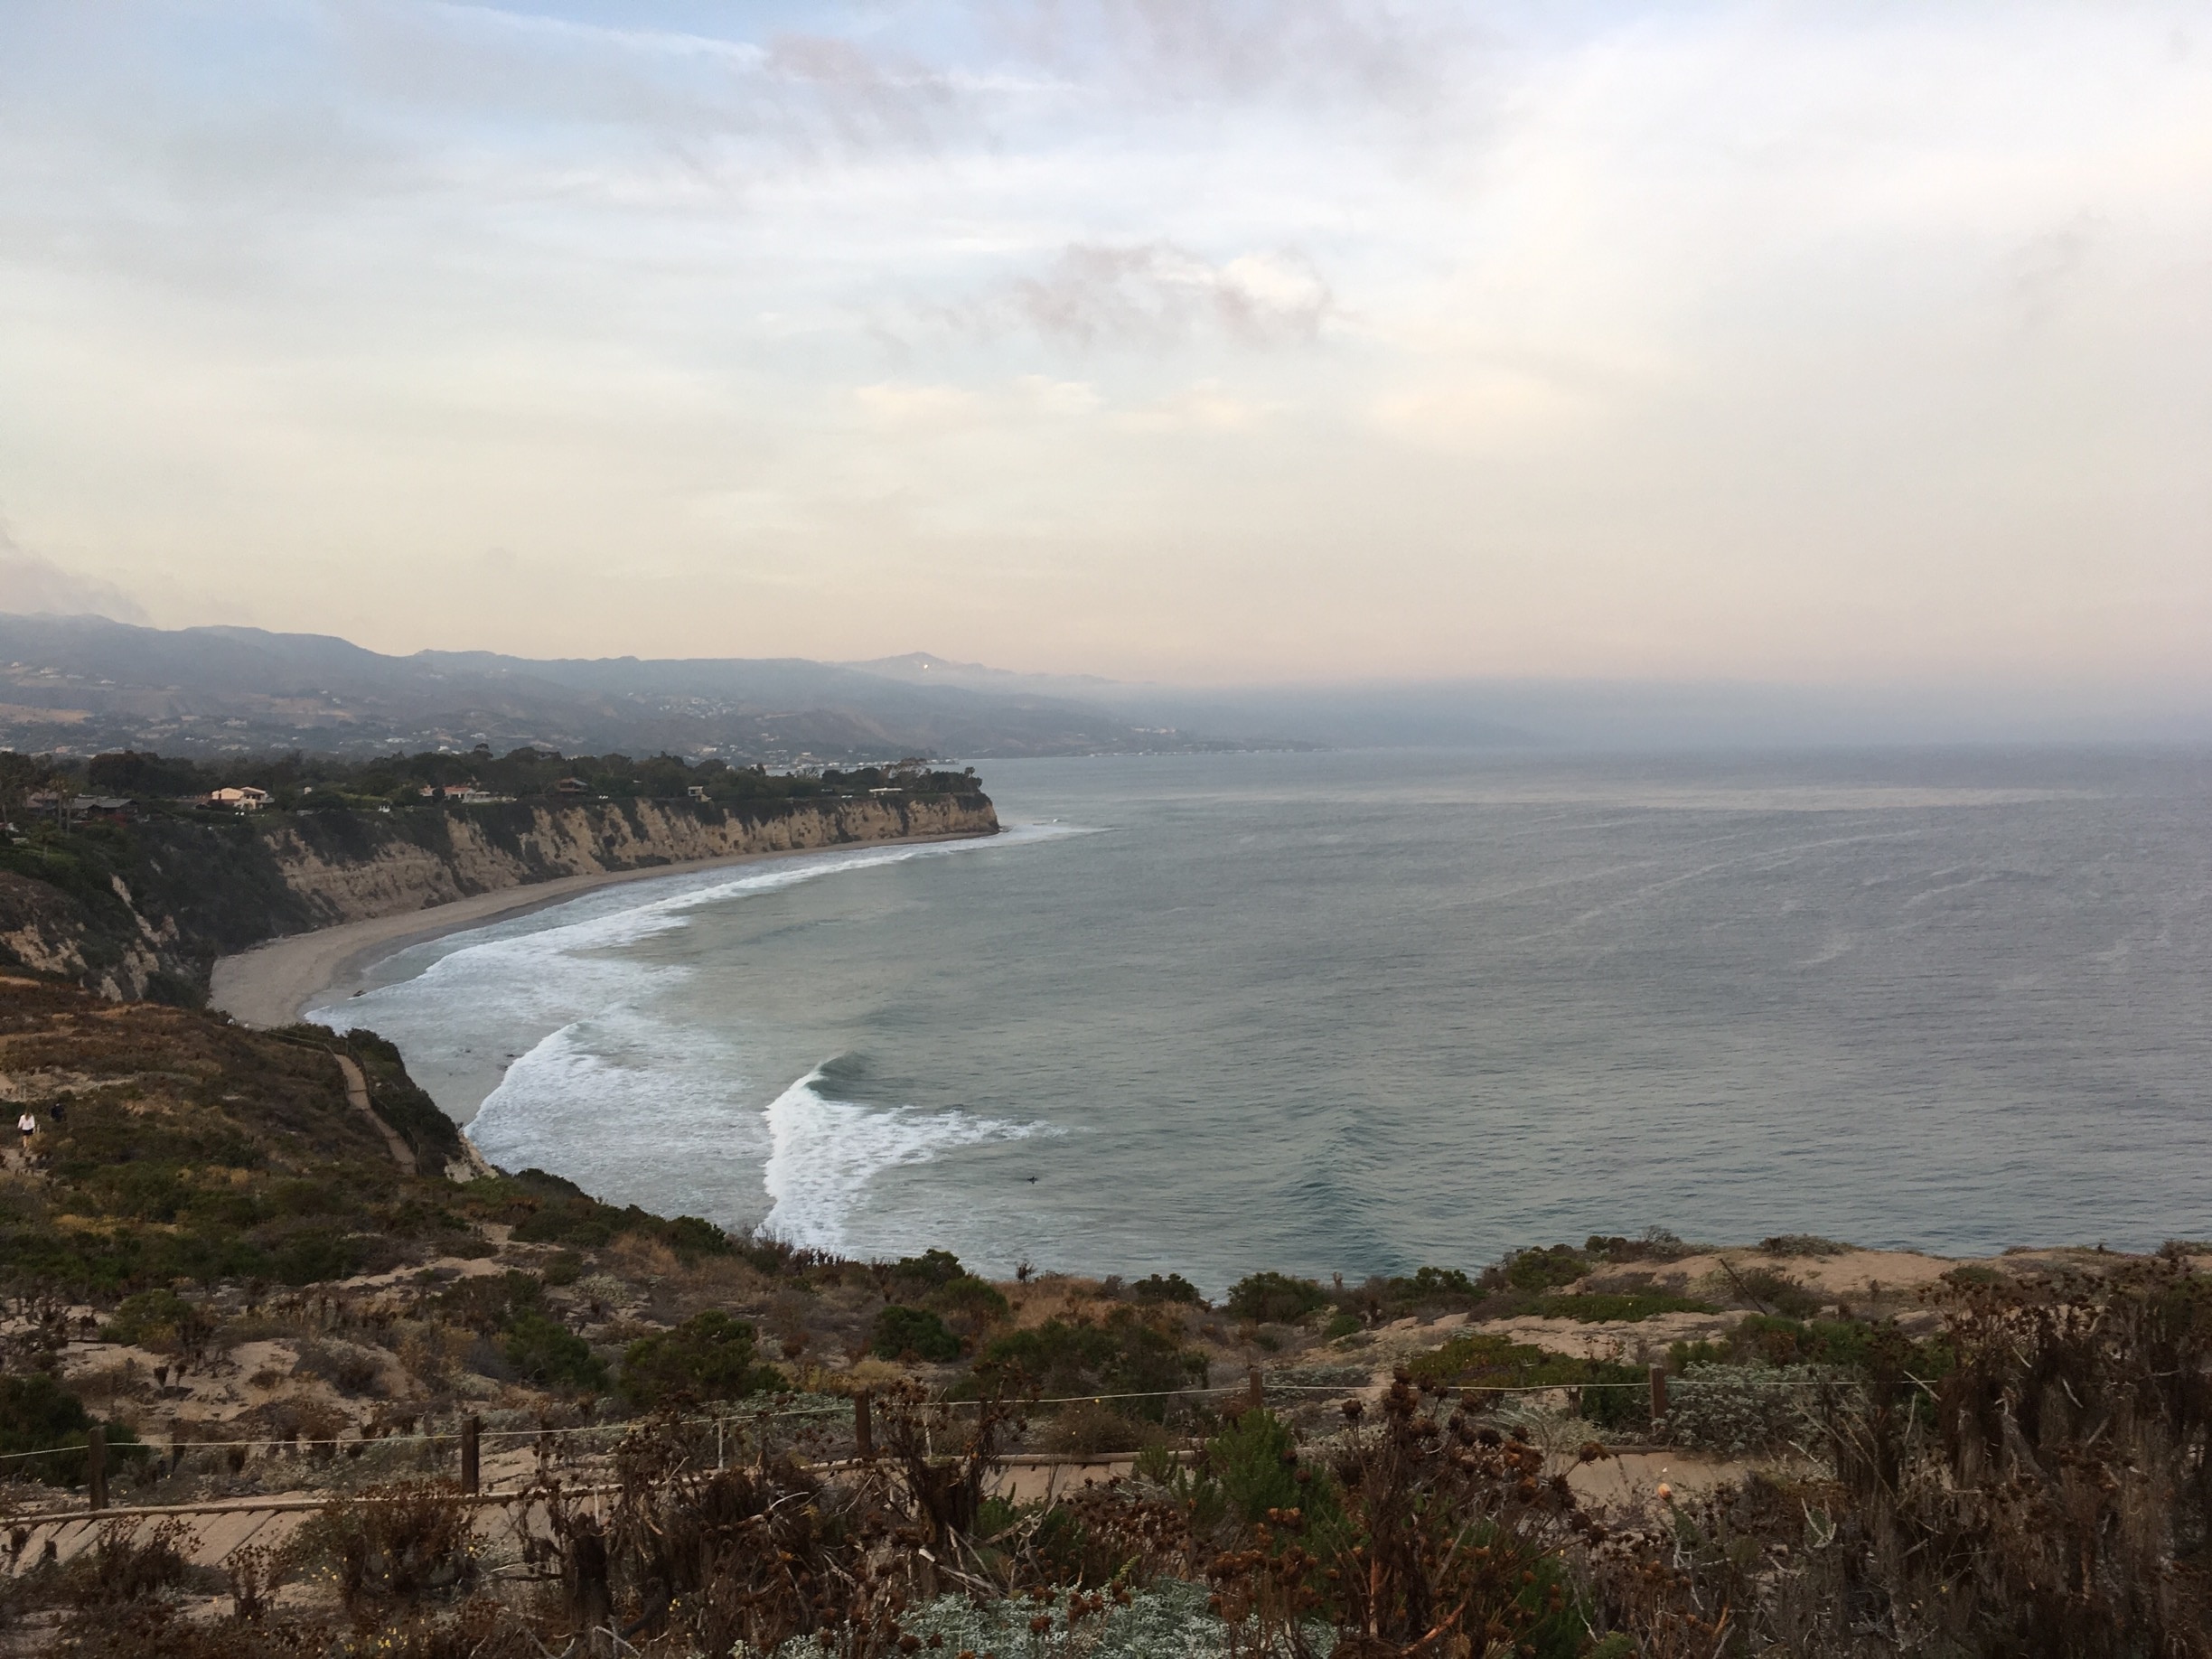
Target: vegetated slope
{"points": [[177, 1149], [81, 684], [143, 909]]}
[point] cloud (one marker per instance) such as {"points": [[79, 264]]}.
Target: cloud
{"points": [[1388, 54], [31, 585], [1644, 337], [1157, 296]]}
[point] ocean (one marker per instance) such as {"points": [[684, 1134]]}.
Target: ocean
{"points": [[1357, 1012]]}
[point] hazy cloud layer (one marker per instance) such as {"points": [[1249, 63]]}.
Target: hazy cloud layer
{"points": [[1192, 338], [35, 587]]}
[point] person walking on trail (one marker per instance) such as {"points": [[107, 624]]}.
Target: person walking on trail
{"points": [[28, 1126]]}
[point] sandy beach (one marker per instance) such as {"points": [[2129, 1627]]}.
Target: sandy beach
{"points": [[271, 983]]}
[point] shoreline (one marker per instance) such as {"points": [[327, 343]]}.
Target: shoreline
{"points": [[267, 986]]}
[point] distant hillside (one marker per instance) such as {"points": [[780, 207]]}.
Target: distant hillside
{"points": [[82, 685]]}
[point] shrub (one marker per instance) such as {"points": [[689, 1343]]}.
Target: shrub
{"points": [[547, 1353], [1274, 1297], [709, 1356], [1604, 1307], [37, 1414], [487, 1302], [314, 1257], [1256, 1461], [395, 1545], [153, 1319], [690, 1236], [930, 1270], [1802, 1244], [1430, 1285], [972, 1302], [1168, 1287], [1092, 1428], [900, 1331], [1122, 1353], [124, 1568], [1740, 1409], [1774, 1291], [346, 1368], [1544, 1269]]}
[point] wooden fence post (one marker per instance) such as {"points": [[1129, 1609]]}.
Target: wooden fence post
{"points": [[863, 1429], [471, 1426], [96, 1464], [1256, 1391], [1658, 1392]]}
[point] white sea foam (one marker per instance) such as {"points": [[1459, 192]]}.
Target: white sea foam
{"points": [[824, 1152], [469, 1003], [641, 1110]]}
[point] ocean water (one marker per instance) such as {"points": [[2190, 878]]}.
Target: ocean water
{"points": [[1356, 1012]]}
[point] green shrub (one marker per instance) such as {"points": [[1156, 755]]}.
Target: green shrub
{"points": [[1122, 1353], [1776, 1291], [930, 1270], [690, 1236], [313, 1257], [1255, 1458], [1604, 1307], [709, 1356], [37, 1414], [1430, 1285], [548, 1353], [1170, 1288], [973, 1303], [900, 1331], [1544, 1269], [153, 1319], [1274, 1297]]}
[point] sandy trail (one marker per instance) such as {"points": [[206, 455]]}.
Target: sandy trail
{"points": [[357, 1096]]}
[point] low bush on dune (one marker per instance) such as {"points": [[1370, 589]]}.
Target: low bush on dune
{"points": [[1091, 1429], [902, 1333], [1164, 1288], [1273, 1298], [1126, 1352], [547, 1353], [969, 1303], [709, 1356], [37, 1414], [1608, 1308]]}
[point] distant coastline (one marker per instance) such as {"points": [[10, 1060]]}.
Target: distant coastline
{"points": [[269, 985]]}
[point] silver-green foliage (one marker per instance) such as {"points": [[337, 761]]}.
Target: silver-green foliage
{"points": [[1740, 1409], [1167, 1621]]}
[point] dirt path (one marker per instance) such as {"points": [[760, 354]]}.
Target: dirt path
{"points": [[357, 1092]]}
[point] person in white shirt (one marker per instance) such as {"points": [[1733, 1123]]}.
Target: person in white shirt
{"points": [[28, 1126]]}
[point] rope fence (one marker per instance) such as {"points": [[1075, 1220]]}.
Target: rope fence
{"points": [[725, 1419]]}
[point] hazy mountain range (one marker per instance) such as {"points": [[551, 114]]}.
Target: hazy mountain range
{"points": [[84, 684]]}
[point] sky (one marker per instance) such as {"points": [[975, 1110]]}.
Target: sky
{"points": [[1202, 340]]}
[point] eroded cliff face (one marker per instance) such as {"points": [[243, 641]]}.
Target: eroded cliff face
{"points": [[350, 879], [144, 911], [125, 956]]}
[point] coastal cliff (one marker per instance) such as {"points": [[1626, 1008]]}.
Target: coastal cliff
{"points": [[141, 910], [337, 874]]}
